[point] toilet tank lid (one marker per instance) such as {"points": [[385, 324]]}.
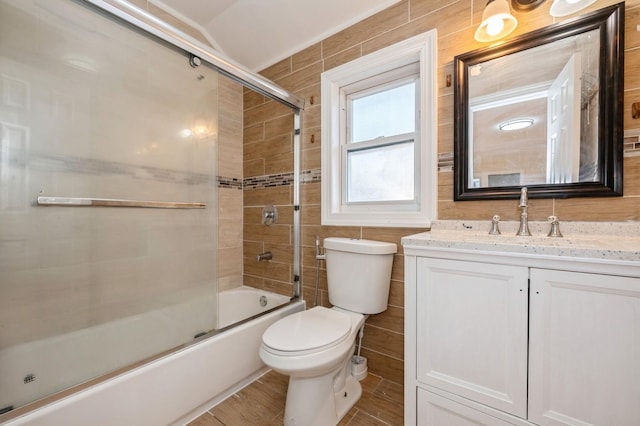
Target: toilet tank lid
{"points": [[353, 245]]}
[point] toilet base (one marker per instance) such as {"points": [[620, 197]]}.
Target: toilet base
{"points": [[348, 397], [305, 406]]}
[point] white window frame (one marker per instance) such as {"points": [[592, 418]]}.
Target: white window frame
{"points": [[420, 49], [377, 84]]}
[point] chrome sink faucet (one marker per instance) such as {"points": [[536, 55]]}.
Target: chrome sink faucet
{"points": [[524, 220]]}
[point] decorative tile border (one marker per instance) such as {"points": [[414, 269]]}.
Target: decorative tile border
{"points": [[632, 143], [631, 149], [310, 176], [445, 162], [229, 183], [92, 166], [268, 181], [281, 179]]}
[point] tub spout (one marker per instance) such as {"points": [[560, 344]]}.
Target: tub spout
{"points": [[264, 256]]}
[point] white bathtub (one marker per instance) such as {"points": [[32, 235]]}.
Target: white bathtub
{"points": [[174, 389], [243, 302]]}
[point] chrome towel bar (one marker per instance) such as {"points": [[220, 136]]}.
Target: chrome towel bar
{"points": [[106, 202]]}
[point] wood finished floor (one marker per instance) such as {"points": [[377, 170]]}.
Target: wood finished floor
{"points": [[262, 404]]}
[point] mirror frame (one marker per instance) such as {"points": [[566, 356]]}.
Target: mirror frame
{"points": [[610, 22]]}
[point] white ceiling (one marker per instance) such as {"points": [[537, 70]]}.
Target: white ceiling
{"points": [[259, 33]]}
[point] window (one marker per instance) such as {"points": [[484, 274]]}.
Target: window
{"points": [[379, 137], [379, 142]]}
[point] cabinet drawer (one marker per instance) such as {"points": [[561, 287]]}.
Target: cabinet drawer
{"points": [[435, 410], [472, 331]]}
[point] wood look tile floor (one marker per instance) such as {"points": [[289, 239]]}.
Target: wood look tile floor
{"points": [[262, 404]]}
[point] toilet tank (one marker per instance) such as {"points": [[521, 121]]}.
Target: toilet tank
{"points": [[359, 273]]}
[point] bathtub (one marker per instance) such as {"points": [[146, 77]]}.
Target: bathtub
{"points": [[176, 388]]}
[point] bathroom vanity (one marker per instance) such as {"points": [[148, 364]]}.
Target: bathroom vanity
{"points": [[504, 330]]}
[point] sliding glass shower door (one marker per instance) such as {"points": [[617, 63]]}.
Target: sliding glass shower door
{"points": [[91, 110]]}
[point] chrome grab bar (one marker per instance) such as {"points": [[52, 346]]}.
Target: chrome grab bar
{"points": [[107, 202]]}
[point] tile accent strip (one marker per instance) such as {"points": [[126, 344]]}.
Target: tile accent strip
{"points": [[631, 149], [230, 183], [280, 179], [310, 176], [445, 162], [632, 143], [267, 181], [94, 166]]}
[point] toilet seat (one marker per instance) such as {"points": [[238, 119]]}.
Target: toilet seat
{"points": [[308, 331]]}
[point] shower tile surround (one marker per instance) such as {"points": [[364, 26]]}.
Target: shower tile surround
{"points": [[229, 183], [81, 167]]}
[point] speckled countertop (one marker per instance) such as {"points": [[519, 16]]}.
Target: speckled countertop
{"points": [[598, 240]]}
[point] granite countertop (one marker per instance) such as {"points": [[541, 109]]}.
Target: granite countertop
{"points": [[598, 240]]}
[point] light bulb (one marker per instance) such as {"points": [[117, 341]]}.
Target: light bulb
{"points": [[494, 26]]}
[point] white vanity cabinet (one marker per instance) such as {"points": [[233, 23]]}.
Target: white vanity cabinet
{"points": [[471, 331], [584, 349], [497, 338]]}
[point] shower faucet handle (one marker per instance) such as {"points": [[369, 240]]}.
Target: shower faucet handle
{"points": [[269, 215]]}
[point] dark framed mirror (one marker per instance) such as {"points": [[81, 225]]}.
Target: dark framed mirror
{"points": [[543, 110]]}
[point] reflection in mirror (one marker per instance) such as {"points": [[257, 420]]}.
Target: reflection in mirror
{"points": [[526, 126], [542, 111]]}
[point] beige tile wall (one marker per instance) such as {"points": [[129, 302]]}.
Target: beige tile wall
{"points": [[230, 115], [456, 21], [230, 164], [268, 150]]}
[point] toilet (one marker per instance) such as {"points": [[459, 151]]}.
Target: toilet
{"points": [[314, 347]]}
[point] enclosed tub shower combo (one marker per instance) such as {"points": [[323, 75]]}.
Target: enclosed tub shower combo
{"points": [[119, 300]]}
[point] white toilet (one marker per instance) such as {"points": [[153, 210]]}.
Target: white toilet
{"points": [[314, 347]]}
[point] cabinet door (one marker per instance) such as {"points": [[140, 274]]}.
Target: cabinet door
{"points": [[435, 410], [584, 349], [472, 331]]}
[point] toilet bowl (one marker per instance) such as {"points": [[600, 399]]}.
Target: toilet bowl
{"points": [[314, 347]]}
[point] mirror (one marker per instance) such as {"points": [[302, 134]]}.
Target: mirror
{"points": [[543, 110]]}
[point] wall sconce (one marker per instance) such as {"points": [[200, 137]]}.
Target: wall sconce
{"points": [[497, 21], [525, 5], [567, 7]]}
